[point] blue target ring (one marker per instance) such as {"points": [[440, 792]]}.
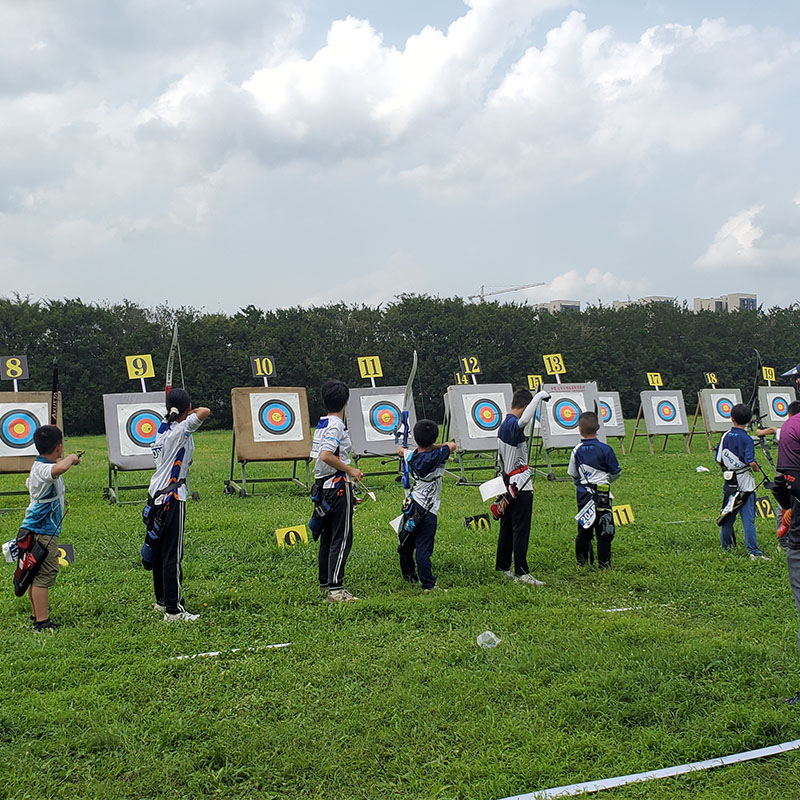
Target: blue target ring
{"points": [[724, 407], [384, 417], [486, 414], [666, 411], [780, 407], [17, 427], [142, 426], [605, 411], [566, 413], [276, 417]]}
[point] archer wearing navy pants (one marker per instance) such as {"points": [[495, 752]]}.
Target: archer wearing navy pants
{"points": [[420, 540]]}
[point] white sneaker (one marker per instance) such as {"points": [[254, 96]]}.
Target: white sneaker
{"points": [[510, 575], [181, 616], [530, 580], [339, 596], [762, 557], [160, 607]]}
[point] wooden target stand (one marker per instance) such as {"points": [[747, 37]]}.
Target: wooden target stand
{"points": [[258, 416], [469, 368], [20, 414], [646, 412]]}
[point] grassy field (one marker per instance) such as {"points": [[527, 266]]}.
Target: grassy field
{"points": [[391, 697]]}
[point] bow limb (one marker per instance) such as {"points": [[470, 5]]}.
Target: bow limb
{"points": [[171, 359], [404, 424], [54, 395]]}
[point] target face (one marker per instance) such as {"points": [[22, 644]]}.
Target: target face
{"points": [[137, 424], [780, 408], [667, 410], [18, 421], [723, 406], [484, 413], [17, 427], [606, 412], [275, 417], [609, 411], [565, 413], [380, 416]]}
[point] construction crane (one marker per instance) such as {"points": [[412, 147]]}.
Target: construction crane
{"points": [[483, 294]]}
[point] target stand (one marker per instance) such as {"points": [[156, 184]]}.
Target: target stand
{"points": [[774, 402], [473, 413], [269, 424], [664, 413], [373, 415], [714, 409], [21, 413], [132, 420], [559, 420]]}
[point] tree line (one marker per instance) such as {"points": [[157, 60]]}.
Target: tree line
{"points": [[615, 347]]}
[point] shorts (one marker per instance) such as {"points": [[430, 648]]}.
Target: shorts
{"points": [[46, 576]]}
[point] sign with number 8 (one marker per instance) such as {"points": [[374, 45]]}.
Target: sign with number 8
{"points": [[13, 368]]}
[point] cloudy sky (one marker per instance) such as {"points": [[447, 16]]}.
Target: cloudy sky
{"points": [[218, 153]]}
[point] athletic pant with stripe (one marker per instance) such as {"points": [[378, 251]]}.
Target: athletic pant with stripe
{"points": [[336, 537], [167, 573], [515, 531], [421, 541]]}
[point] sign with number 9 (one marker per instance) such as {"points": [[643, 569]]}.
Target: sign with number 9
{"points": [[140, 366]]}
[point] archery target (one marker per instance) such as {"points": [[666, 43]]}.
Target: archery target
{"points": [[774, 402], [275, 417], [717, 405], [567, 402], [566, 412], [18, 422], [609, 410], [664, 412], [137, 424], [380, 415], [484, 413]]}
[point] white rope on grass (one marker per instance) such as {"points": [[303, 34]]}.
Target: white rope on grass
{"points": [[656, 774], [215, 653]]}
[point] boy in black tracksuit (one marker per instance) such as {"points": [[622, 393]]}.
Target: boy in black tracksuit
{"points": [[594, 467], [332, 521], [427, 465]]}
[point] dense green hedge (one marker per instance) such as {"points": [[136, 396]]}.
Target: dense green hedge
{"points": [[614, 347]]}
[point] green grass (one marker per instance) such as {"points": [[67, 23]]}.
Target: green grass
{"points": [[391, 697]]}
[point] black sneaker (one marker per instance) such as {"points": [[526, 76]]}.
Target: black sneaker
{"points": [[793, 701], [45, 625]]}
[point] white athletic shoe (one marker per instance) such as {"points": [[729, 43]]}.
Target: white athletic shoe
{"points": [[181, 616], [510, 575], [339, 596], [762, 557], [160, 607], [530, 580]]}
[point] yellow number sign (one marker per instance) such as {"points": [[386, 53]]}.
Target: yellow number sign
{"points": [[370, 366], [554, 364], [470, 365], [768, 373], [711, 377], [140, 366], [654, 379], [534, 381], [13, 368], [480, 522], [289, 537], [262, 366], [66, 555], [764, 508], [461, 379], [623, 515]]}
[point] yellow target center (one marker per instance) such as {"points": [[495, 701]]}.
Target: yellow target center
{"points": [[147, 427], [19, 428]]}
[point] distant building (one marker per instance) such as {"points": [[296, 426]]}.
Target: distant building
{"points": [[726, 302], [652, 298], [555, 306]]}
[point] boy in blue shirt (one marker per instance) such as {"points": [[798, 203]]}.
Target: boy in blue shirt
{"points": [[737, 457], [594, 467], [426, 465], [45, 515]]}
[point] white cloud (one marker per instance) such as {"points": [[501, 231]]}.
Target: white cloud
{"points": [[588, 287], [735, 242]]}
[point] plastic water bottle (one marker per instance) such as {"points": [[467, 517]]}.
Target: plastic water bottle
{"points": [[487, 639]]}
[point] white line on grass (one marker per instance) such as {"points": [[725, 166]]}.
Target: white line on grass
{"points": [[215, 653], [656, 774]]}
